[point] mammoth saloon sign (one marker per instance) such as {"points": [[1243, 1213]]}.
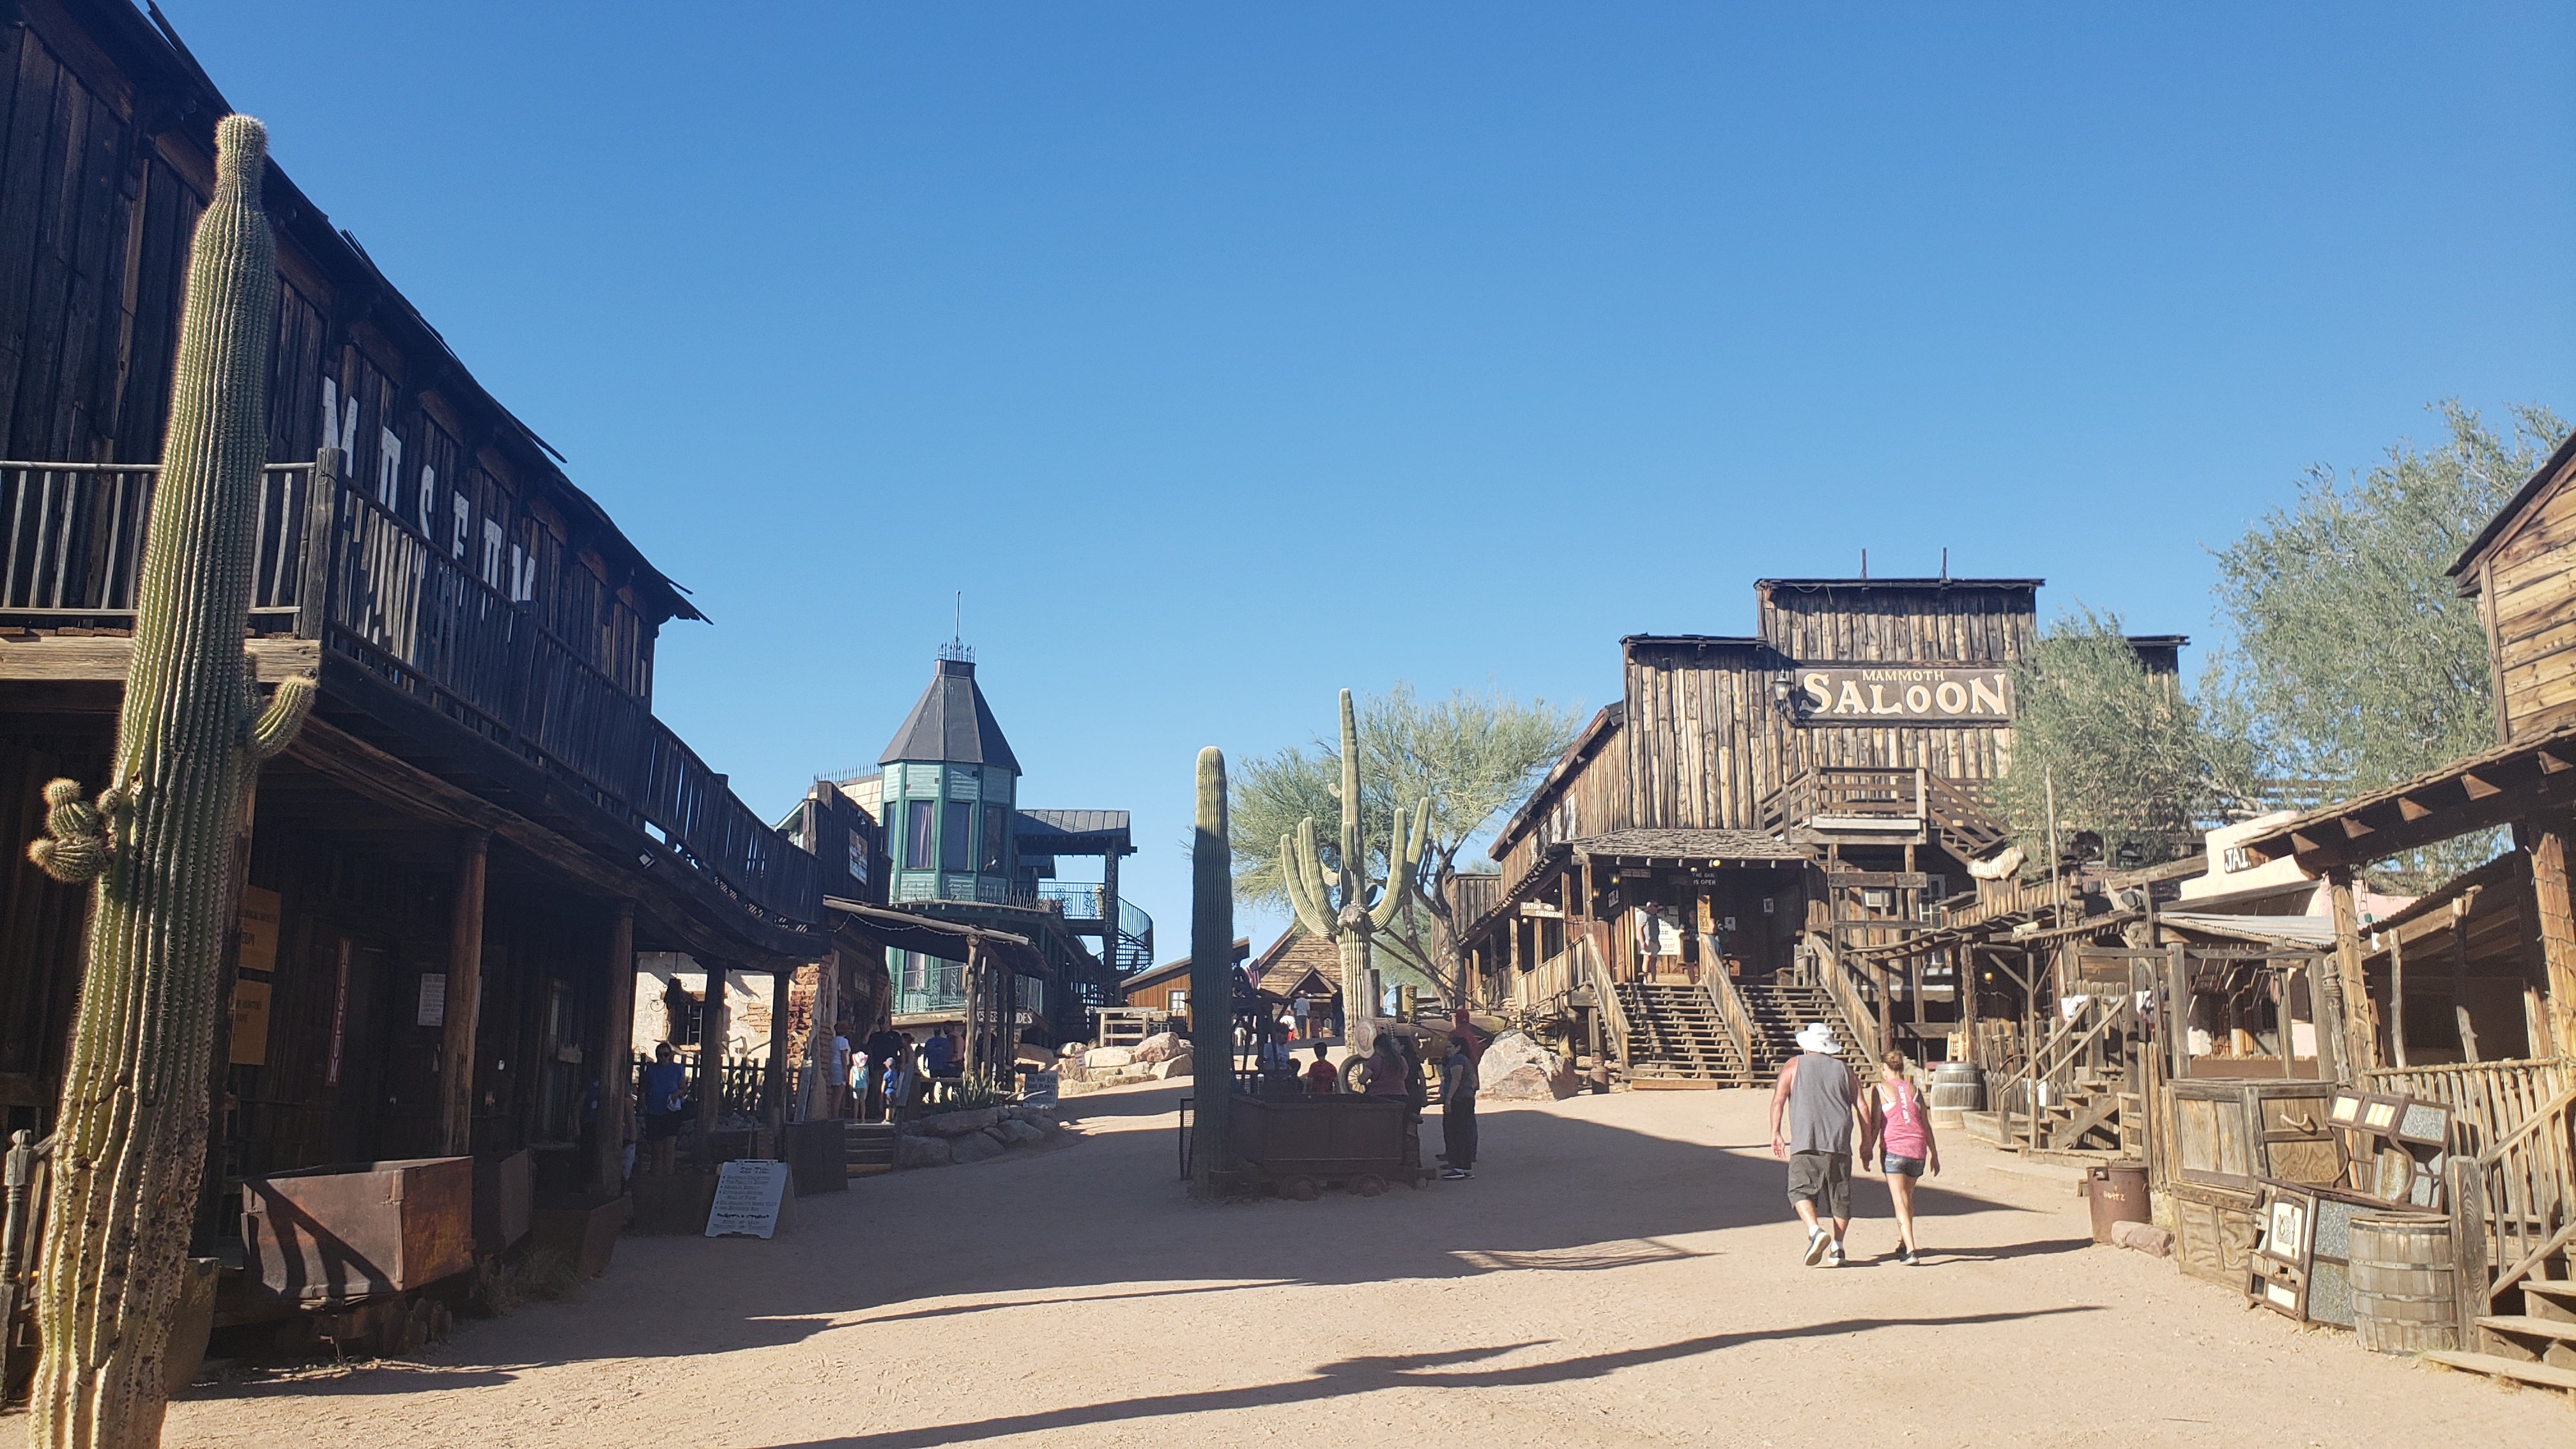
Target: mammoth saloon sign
{"points": [[1839, 694]]}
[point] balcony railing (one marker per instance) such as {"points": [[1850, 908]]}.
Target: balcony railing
{"points": [[337, 567], [1847, 797]]}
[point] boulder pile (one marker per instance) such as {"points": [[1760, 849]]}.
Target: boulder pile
{"points": [[1158, 1058], [972, 1136]]}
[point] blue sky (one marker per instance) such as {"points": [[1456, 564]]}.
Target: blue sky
{"points": [[1227, 355]]}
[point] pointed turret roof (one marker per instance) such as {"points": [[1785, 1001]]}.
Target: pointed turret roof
{"points": [[952, 723]]}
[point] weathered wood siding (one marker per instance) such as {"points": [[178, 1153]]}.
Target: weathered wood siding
{"points": [[1589, 799], [1706, 741], [2527, 588], [95, 218]]}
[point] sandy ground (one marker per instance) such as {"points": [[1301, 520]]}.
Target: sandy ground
{"points": [[1621, 1272]]}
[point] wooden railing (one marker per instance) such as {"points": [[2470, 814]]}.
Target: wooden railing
{"points": [[1728, 1002], [1836, 977], [336, 566], [2488, 1100], [71, 542], [1614, 1012], [415, 616], [1552, 978], [1846, 792], [2528, 1177]]}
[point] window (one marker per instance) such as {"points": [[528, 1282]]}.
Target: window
{"points": [[922, 819], [858, 857], [957, 837], [997, 839]]}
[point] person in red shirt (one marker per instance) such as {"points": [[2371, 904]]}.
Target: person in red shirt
{"points": [[1321, 1079]]}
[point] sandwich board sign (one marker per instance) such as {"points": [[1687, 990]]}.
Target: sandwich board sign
{"points": [[749, 1198]]}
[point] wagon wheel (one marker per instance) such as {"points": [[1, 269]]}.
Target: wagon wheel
{"points": [[1301, 1188], [1368, 1184]]}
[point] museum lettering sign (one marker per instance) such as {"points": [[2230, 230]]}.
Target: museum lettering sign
{"points": [[1849, 694]]}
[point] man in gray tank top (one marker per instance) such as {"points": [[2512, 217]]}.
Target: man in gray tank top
{"points": [[1822, 1101]]}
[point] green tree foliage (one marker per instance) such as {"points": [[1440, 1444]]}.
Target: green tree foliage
{"points": [[2354, 661], [2123, 750], [1475, 754]]}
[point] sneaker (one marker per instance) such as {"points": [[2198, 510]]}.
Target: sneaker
{"points": [[1906, 1256], [1815, 1246], [1456, 1174], [1834, 1256]]}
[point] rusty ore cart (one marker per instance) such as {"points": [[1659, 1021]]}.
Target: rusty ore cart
{"points": [[1299, 1145]]}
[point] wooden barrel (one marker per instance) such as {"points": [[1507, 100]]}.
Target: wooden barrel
{"points": [[1959, 1087], [2402, 1298]]}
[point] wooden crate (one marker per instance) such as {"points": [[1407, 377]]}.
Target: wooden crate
{"points": [[2232, 1133], [2214, 1232]]}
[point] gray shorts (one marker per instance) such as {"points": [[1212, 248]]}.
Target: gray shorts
{"points": [[1823, 1178]]}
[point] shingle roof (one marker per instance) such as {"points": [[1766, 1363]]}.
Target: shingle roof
{"points": [[1291, 957], [952, 723], [1689, 845]]}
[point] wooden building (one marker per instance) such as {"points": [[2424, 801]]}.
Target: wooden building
{"points": [[1689, 882], [445, 880], [1165, 989]]}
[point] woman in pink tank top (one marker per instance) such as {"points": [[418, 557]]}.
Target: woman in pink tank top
{"points": [[1905, 1144]]}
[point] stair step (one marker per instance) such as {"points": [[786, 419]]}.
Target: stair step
{"points": [[2526, 1326], [2546, 1375], [2550, 1287]]}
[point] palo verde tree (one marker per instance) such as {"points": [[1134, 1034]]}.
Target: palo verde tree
{"points": [[129, 1150], [1474, 755], [2121, 750], [2355, 663]]}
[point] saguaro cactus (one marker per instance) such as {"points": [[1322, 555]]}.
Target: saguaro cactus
{"points": [[130, 1145], [1211, 978], [1345, 916]]}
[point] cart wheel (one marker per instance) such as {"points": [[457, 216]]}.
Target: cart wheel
{"points": [[1368, 1184], [1301, 1188]]}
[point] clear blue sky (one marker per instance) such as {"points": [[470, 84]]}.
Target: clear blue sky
{"points": [[1226, 355]]}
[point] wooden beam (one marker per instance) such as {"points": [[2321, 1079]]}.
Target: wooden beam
{"points": [[2551, 764], [2353, 829], [2550, 892], [2410, 811], [2360, 1044], [56, 659], [616, 1054], [464, 993]]}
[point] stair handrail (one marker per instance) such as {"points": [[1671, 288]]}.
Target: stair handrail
{"points": [[1722, 994], [2530, 1189], [1614, 1014], [1846, 997]]}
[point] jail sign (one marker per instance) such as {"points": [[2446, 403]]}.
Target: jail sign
{"points": [[1846, 694]]}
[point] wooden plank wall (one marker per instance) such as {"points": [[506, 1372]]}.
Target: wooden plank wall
{"points": [[1591, 800], [1706, 742], [2528, 583]]}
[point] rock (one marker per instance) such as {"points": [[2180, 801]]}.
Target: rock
{"points": [[922, 1152], [1042, 1116], [1073, 1049], [958, 1124], [1016, 1133], [975, 1146], [2145, 1237], [1517, 1069], [1171, 1067], [1103, 1058], [1162, 1046]]}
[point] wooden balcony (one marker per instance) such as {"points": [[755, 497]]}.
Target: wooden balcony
{"points": [[414, 635], [1849, 803]]}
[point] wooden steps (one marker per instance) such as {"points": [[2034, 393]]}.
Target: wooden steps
{"points": [[2523, 1325], [1675, 1039], [869, 1147], [2544, 1375]]}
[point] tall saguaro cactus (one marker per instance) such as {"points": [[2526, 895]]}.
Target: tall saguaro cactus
{"points": [[1211, 978], [1345, 916], [131, 1142]]}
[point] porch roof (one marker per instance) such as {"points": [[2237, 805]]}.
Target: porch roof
{"points": [[2511, 782]]}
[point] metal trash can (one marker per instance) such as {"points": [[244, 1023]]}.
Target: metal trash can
{"points": [[2117, 1193]]}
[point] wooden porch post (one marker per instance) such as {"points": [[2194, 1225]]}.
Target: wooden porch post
{"points": [[818, 1094], [2550, 891], [464, 998], [782, 985], [2397, 998], [2460, 976], [711, 1054], [617, 1052], [2360, 1043]]}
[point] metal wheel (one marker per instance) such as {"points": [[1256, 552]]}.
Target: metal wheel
{"points": [[1368, 1184]]}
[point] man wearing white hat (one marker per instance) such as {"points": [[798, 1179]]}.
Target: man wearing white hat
{"points": [[1821, 1099]]}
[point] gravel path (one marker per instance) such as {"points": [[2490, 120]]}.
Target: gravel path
{"points": [[1622, 1272]]}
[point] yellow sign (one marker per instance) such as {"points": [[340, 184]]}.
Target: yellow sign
{"points": [[250, 1023], [259, 916]]}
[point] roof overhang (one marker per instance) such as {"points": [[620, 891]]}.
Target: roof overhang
{"points": [[2509, 783]]}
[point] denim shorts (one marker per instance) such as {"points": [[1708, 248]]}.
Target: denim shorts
{"points": [[1902, 1166]]}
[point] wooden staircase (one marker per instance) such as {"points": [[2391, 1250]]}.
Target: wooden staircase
{"points": [[1675, 1039], [1779, 1010], [2536, 1346], [2528, 1182], [870, 1147]]}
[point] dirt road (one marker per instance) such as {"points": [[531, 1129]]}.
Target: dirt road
{"points": [[1622, 1271]]}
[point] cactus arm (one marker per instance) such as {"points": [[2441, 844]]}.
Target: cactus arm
{"points": [[1391, 901], [1301, 887], [75, 849], [275, 727]]}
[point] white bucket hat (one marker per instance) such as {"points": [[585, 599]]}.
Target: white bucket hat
{"points": [[1815, 1036]]}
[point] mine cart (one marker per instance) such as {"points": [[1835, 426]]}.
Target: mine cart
{"points": [[1298, 1145]]}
